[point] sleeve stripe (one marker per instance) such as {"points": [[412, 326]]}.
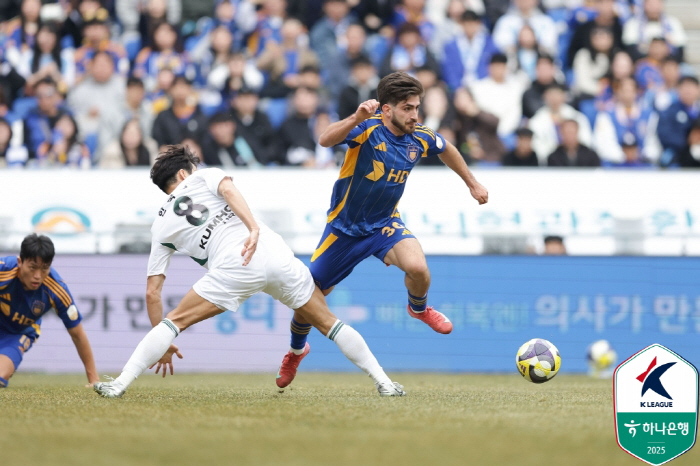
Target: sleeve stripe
{"points": [[58, 291]]}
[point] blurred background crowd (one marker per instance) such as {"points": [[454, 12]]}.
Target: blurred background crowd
{"points": [[105, 83]]}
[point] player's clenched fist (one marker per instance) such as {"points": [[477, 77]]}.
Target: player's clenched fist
{"points": [[366, 109], [480, 193]]}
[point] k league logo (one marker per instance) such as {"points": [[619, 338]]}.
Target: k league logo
{"points": [[656, 405]]}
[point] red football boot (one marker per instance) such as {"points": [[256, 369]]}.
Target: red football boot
{"points": [[435, 320], [290, 363]]}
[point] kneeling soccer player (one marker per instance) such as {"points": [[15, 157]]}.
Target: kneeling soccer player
{"points": [[207, 218], [29, 288]]}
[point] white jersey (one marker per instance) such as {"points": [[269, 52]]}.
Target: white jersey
{"points": [[193, 218]]}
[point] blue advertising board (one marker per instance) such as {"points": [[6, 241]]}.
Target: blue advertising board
{"points": [[498, 302]]}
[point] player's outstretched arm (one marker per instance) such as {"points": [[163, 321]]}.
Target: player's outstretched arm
{"points": [[338, 131], [82, 344], [238, 205], [453, 159], [154, 306]]}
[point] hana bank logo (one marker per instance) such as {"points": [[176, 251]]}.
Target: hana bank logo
{"points": [[60, 221], [651, 380]]}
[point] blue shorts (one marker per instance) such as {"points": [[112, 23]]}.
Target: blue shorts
{"points": [[337, 254], [14, 346]]}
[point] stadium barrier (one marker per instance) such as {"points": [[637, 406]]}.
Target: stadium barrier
{"points": [[495, 302], [599, 212]]}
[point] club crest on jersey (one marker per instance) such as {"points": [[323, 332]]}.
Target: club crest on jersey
{"points": [[412, 153], [38, 308]]}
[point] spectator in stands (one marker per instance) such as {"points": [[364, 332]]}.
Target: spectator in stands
{"points": [[338, 67], [606, 17], [466, 58], [508, 27], [660, 97], [546, 123], [435, 110], [269, 28], [165, 53], [131, 149], [136, 106], [592, 64], [571, 153], [11, 82], [97, 103], [326, 33], [408, 53], [689, 157], [554, 246], [653, 22], [626, 119], [446, 15], [282, 61], [648, 69], [362, 86], [675, 123], [522, 155], [413, 12], [183, 120], [159, 98], [40, 122], [238, 16], [64, 147], [45, 59], [97, 39], [497, 93], [255, 128], [241, 73], [212, 61], [12, 152], [20, 32], [222, 146], [134, 16], [632, 153], [524, 59], [297, 130], [476, 129], [545, 76]]}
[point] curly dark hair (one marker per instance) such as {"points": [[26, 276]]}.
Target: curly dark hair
{"points": [[173, 159], [397, 87]]}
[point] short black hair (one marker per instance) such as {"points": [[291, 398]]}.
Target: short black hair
{"points": [[48, 80], [180, 79], [498, 58], [545, 56], [221, 117], [310, 69], [470, 15], [173, 159], [524, 133], [134, 81], [37, 247], [688, 78], [553, 239], [397, 87], [361, 60], [556, 85]]}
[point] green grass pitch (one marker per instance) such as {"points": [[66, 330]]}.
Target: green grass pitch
{"points": [[324, 419]]}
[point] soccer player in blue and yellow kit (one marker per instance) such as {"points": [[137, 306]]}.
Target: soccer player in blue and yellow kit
{"points": [[29, 288], [363, 220]]}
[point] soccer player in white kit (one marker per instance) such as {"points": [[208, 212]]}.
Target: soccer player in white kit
{"points": [[207, 218]]}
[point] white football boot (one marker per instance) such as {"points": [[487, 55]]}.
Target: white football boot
{"points": [[395, 389], [111, 389]]}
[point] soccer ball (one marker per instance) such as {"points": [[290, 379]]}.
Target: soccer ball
{"points": [[538, 360], [601, 357]]}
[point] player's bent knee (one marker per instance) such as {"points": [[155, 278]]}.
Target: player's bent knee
{"points": [[418, 270]]}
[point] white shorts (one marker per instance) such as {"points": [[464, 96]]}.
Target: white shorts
{"points": [[273, 270]]}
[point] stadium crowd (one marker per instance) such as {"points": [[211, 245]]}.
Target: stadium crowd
{"points": [[105, 83]]}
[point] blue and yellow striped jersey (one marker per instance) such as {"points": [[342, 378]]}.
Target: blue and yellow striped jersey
{"points": [[21, 310], [374, 173]]}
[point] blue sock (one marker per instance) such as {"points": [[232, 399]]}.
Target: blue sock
{"points": [[3, 383], [416, 303], [300, 333]]}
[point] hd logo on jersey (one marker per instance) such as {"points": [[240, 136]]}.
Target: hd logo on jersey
{"points": [[656, 405]]}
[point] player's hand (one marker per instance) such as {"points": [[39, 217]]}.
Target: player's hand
{"points": [[167, 360], [480, 193], [366, 109], [250, 246]]}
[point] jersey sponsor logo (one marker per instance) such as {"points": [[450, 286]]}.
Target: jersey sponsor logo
{"points": [[377, 171], [381, 147], [220, 219], [412, 152], [399, 176], [38, 308], [64, 221]]}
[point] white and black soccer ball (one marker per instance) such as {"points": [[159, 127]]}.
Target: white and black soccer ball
{"points": [[601, 356], [538, 360]]}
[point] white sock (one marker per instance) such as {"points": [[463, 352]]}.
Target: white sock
{"points": [[297, 351], [356, 350], [149, 351]]}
